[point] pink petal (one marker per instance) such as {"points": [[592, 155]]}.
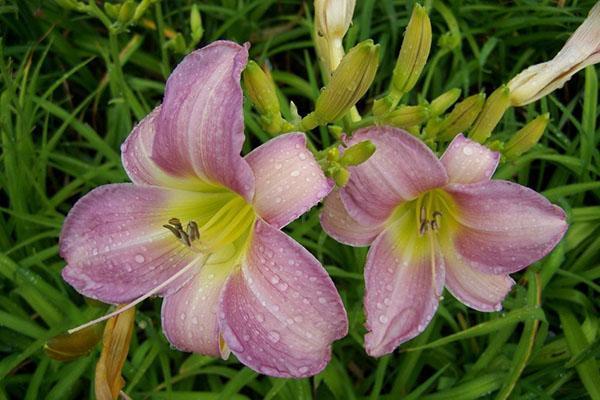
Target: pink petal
{"points": [[338, 224], [403, 283], [189, 316], [115, 245], [478, 290], [200, 129], [281, 312], [467, 161], [504, 227], [401, 168], [136, 154], [288, 180]]}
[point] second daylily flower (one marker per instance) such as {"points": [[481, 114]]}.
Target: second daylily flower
{"points": [[432, 223], [200, 226]]}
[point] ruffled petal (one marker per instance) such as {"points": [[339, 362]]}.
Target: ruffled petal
{"points": [[136, 154], [401, 168], [338, 223], [115, 245], [504, 227], [404, 279], [200, 129], [480, 291], [281, 312], [288, 180], [189, 316], [467, 161]]}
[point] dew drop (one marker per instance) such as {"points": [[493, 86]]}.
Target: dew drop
{"points": [[295, 173], [139, 258], [383, 318], [274, 336]]}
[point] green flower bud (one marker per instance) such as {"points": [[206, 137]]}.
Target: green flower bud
{"points": [[69, 4], [460, 118], [68, 347], [126, 12], [341, 176], [492, 112], [260, 89], [196, 24], [350, 81], [526, 137], [112, 10], [140, 10], [333, 154], [177, 44], [414, 51], [358, 154], [444, 101], [405, 116]]}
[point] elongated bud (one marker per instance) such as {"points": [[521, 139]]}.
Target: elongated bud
{"points": [[405, 116], [332, 20], [527, 136], [68, 347], [69, 4], [440, 104], [349, 83], [115, 346], [177, 44], [141, 9], [582, 49], [357, 154], [414, 51], [260, 89], [492, 112], [197, 31], [460, 118], [112, 10], [126, 12]]}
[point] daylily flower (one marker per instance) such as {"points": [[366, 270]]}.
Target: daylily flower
{"points": [[582, 49], [432, 223], [200, 226]]}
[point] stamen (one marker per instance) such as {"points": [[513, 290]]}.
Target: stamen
{"points": [[174, 231], [152, 292], [192, 231], [423, 228], [423, 215]]}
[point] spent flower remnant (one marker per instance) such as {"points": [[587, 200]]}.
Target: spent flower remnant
{"points": [[433, 222], [200, 226], [582, 49]]}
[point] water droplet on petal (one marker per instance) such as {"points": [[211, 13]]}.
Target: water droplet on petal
{"points": [[139, 258]]}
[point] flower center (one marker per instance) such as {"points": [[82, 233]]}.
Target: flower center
{"points": [[223, 221]]}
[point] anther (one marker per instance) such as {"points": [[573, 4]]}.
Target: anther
{"points": [[187, 236], [174, 231], [192, 231], [423, 216]]}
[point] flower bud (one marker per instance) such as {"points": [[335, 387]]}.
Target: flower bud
{"points": [[348, 84], [526, 137], [405, 116], [440, 104], [260, 89], [492, 112], [358, 154], [341, 176], [70, 4], [460, 118], [126, 12], [332, 20], [581, 50], [68, 347], [333, 17], [196, 24], [414, 51], [115, 346]]}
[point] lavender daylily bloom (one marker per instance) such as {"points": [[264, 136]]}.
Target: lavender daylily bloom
{"points": [[202, 224], [432, 223]]}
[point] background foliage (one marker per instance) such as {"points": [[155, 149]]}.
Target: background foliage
{"points": [[71, 92]]}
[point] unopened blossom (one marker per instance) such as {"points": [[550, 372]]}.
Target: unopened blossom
{"points": [[332, 20], [582, 49], [432, 223], [200, 226]]}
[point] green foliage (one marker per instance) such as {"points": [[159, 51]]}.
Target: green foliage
{"points": [[72, 85]]}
